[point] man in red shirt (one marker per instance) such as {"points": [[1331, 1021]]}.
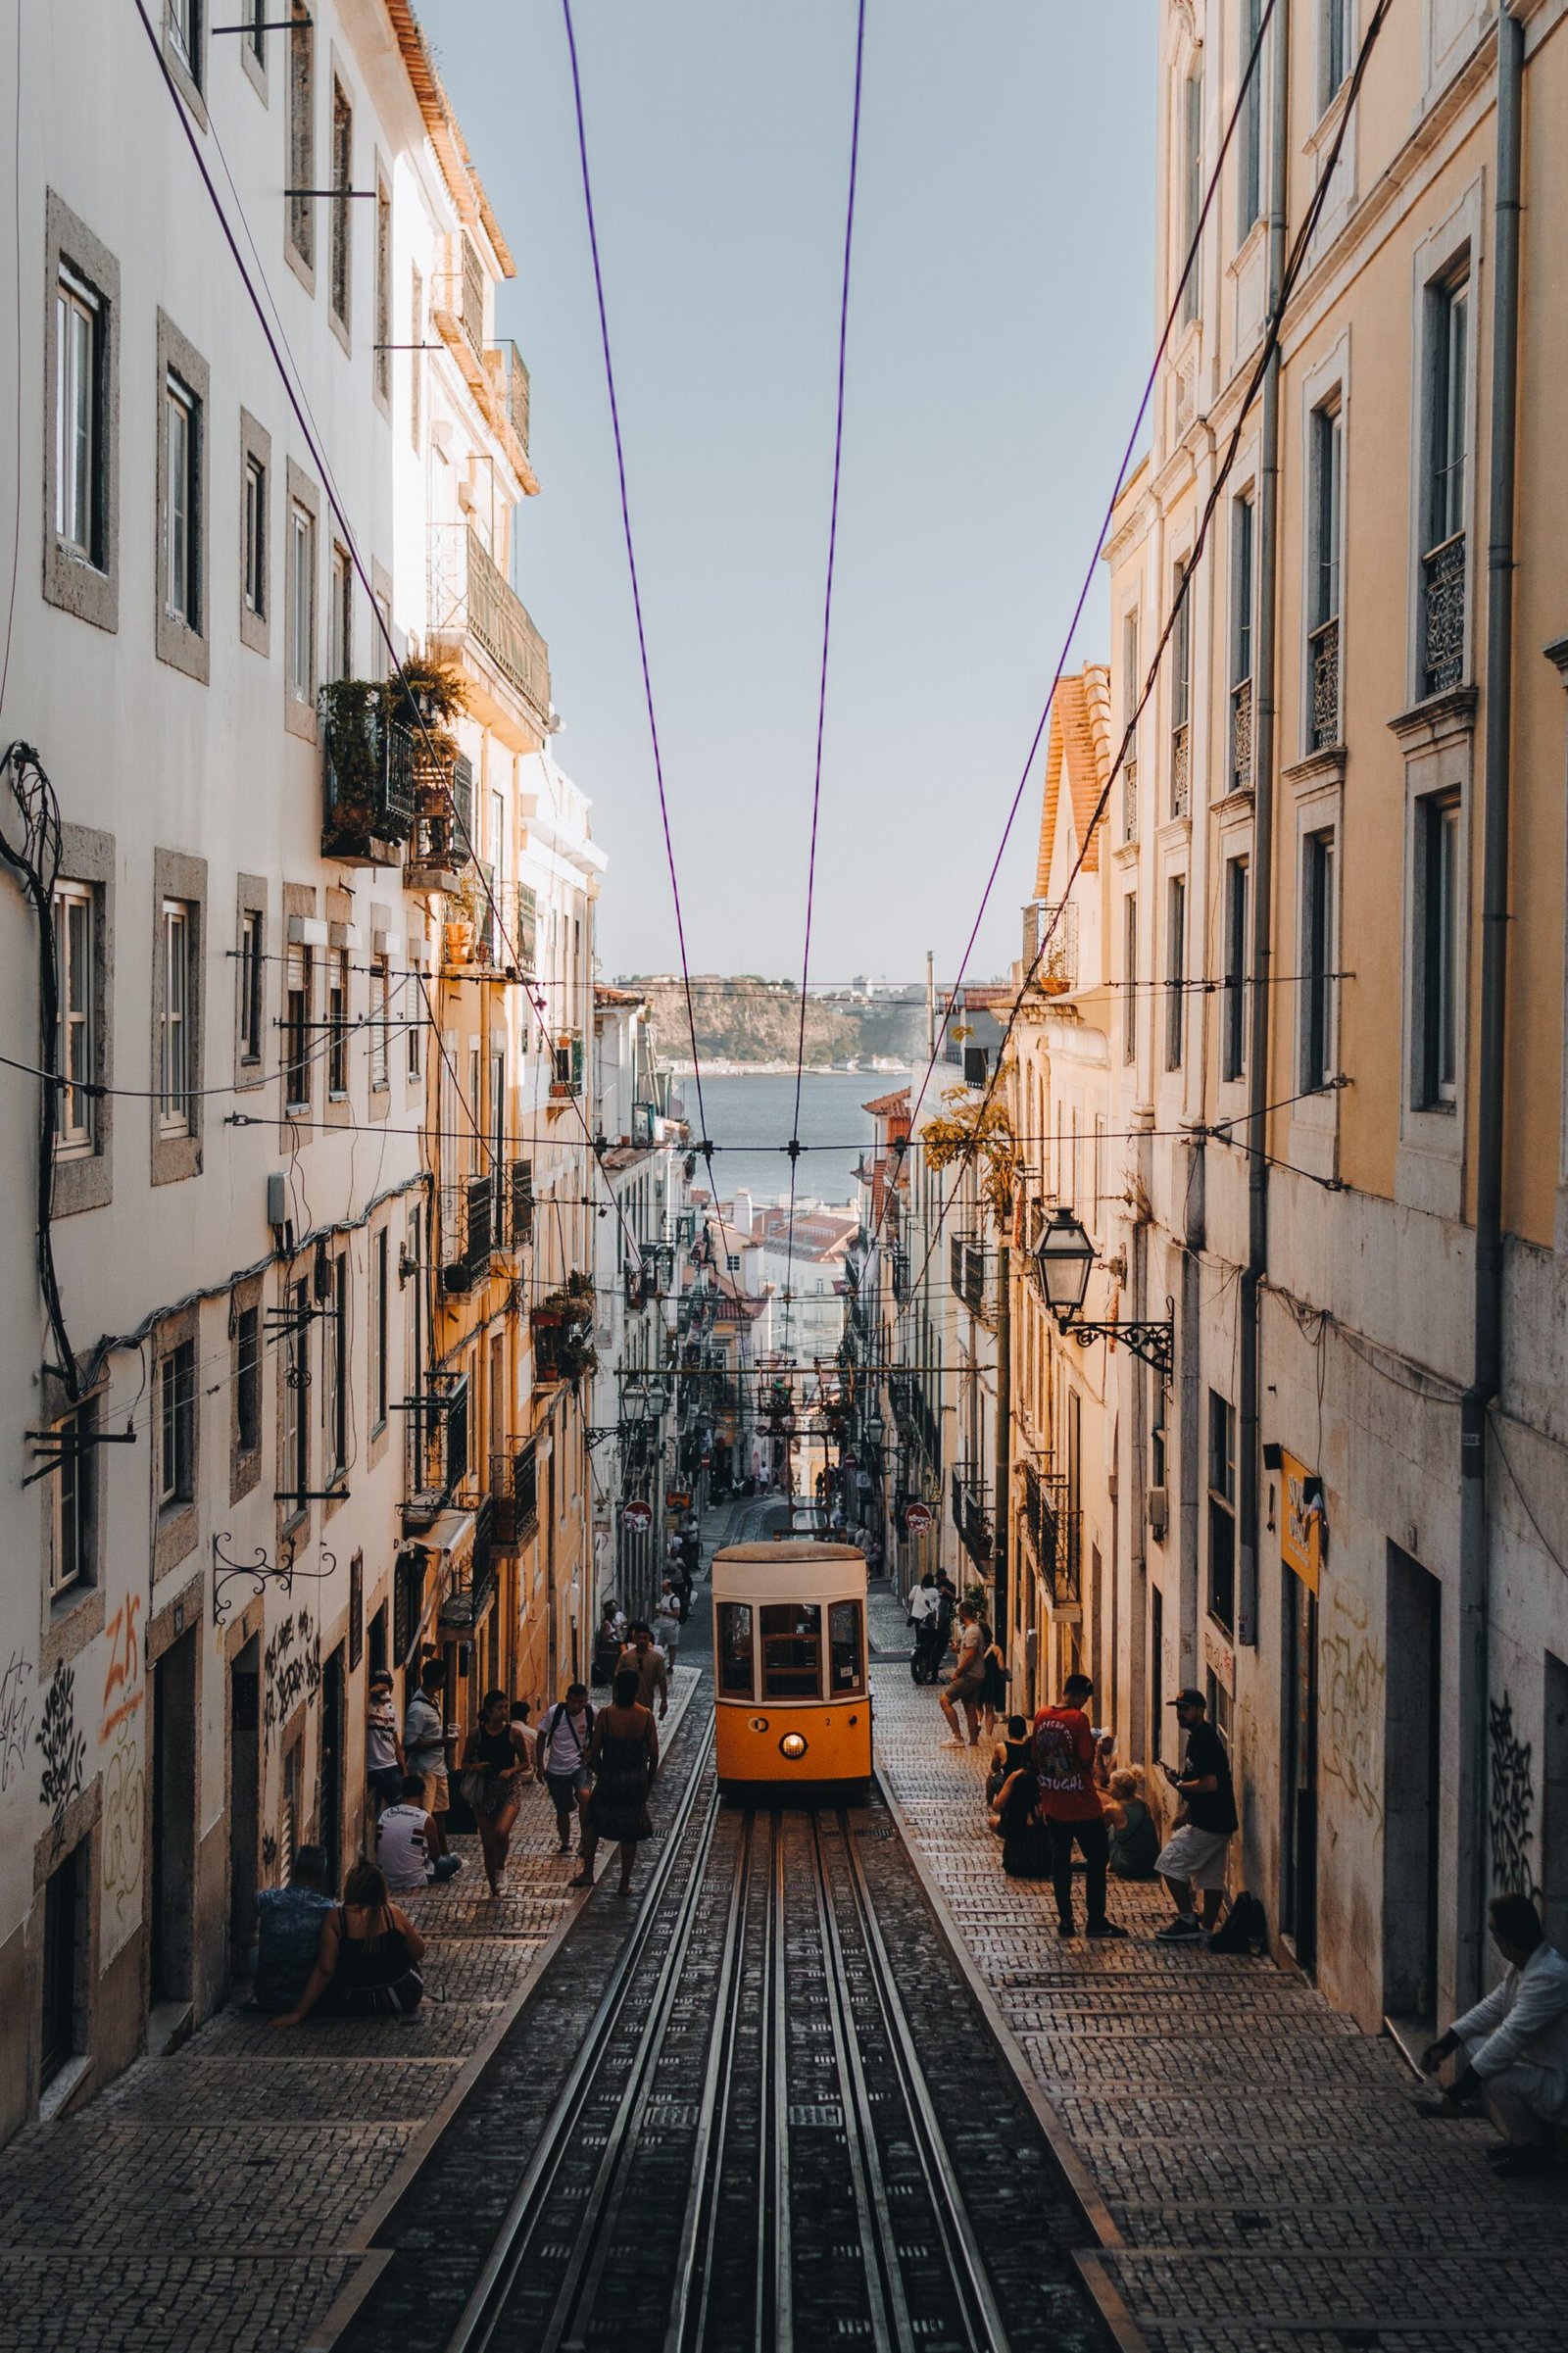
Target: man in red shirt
{"points": [[1069, 1805]]}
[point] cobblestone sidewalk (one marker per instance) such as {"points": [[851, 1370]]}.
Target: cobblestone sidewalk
{"points": [[222, 2197], [1267, 2181]]}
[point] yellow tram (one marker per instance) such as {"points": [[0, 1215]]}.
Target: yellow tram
{"points": [[792, 1699]]}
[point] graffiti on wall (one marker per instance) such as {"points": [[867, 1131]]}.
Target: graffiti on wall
{"points": [[1512, 1807], [64, 1748], [125, 1780], [1351, 1677], [291, 1670], [15, 1717]]}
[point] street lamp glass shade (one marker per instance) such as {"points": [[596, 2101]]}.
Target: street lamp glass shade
{"points": [[658, 1398], [1063, 1260], [875, 1429]]}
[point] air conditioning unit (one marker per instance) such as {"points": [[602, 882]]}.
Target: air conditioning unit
{"points": [[1158, 1513]]}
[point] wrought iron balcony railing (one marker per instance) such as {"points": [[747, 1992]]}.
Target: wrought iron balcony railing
{"points": [[1443, 603], [1181, 771], [514, 1495], [467, 1232], [368, 775], [1323, 650], [473, 605], [969, 1515], [1241, 736], [1052, 1533], [1129, 800]]}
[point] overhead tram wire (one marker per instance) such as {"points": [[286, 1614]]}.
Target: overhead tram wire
{"points": [[1294, 264], [1194, 249], [827, 638], [305, 420], [631, 565]]}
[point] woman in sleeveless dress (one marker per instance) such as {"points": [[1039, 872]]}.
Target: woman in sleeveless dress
{"points": [[496, 1763], [623, 1755], [366, 1964]]}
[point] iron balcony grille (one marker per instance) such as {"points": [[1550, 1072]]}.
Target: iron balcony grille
{"points": [[367, 773], [1052, 1533], [441, 840], [1180, 780], [1323, 646], [473, 604], [514, 1495], [506, 362], [519, 1205], [966, 1262], [467, 1233], [1129, 801], [969, 1515], [1056, 971], [438, 1447], [1241, 736], [1442, 597]]}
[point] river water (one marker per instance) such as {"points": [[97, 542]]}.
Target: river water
{"points": [[750, 1119]]}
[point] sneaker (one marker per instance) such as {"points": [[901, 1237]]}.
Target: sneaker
{"points": [[1184, 1930], [447, 1866], [1105, 1927], [953, 1742], [1066, 1928]]}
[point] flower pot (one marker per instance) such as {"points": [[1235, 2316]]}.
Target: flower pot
{"points": [[459, 942]]}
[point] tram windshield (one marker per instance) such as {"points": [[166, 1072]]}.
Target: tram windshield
{"points": [[845, 1650], [792, 1650], [735, 1649]]}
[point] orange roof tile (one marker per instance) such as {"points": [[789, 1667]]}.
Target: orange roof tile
{"points": [[1080, 742], [888, 1106]]}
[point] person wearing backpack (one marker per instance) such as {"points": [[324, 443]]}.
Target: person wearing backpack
{"points": [[563, 1739], [1193, 1855], [1069, 1805]]}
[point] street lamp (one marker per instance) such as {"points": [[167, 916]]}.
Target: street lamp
{"points": [[1062, 1258]]}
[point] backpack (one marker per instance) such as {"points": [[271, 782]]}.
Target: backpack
{"points": [[1244, 1929]]}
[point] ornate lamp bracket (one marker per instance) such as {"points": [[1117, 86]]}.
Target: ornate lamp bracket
{"points": [[1153, 1343], [260, 1572]]}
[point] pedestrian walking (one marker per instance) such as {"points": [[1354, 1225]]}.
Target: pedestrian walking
{"points": [[565, 1733], [496, 1763], [1065, 1760], [1133, 1833], [623, 1758], [368, 1962], [385, 1765], [666, 1625], [288, 1931], [403, 1840], [425, 1749], [1193, 1855], [993, 1679], [967, 1678], [1516, 2043], [642, 1658]]}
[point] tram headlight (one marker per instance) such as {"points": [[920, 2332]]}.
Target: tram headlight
{"points": [[793, 1744]]}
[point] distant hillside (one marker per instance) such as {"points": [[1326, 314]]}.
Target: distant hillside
{"points": [[744, 1018]]}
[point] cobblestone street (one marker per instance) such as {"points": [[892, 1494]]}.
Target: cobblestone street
{"points": [[226, 2196], [1266, 2181]]}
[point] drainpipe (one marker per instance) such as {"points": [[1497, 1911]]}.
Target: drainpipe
{"points": [[1264, 728], [1498, 749]]}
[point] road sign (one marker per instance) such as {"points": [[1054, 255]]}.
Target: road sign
{"points": [[917, 1516], [637, 1518]]}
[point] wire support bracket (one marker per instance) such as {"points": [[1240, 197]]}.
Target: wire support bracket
{"points": [[261, 1571]]}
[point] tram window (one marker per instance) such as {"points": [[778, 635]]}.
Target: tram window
{"points": [[844, 1649], [792, 1650], [735, 1649]]}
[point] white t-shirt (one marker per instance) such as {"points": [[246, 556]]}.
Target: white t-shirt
{"points": [[400, 1848], [569, 1737], [922, 1601]]}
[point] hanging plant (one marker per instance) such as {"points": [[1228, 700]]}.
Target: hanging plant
{"points": [[431, 693], [981, 1134]]}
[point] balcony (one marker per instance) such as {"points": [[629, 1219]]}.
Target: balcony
{"points": [[1323, 652], [1057, 971], [464, 1603], [441, 839], [1241, 736], [1181, 771], [518, 1226], [1129, 801], [1442, 597], [567, 1078], [368, 775], [437, 1447], [510, 379], [513, 1497], [457, 305], [969, 1514], [966, 1265], [973, 1061], [902, 1285], [467, 1233], [472, 608], [1052, 1533]]}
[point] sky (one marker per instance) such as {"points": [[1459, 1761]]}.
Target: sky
{"points": [[1001, 325]]}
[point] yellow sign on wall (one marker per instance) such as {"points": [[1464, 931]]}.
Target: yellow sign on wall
{"points": [[1300, 1526]]}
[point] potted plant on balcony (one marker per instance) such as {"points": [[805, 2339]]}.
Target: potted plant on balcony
{"points": [[358, 807], [562, 1325], [462, 918]]}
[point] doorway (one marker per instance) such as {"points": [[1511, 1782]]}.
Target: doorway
{"points": [[62, 1966], [333, 1709], [174, 1820], [1299, 1875], [1555, 1806], [1411, 1772], [244, 1800]]}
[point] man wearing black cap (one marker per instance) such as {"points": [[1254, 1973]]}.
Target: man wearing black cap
{"points": [[1193, 1855]]}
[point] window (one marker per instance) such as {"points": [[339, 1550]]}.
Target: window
{"points": [[380, 1341], [176, 1425], [1192, 189], [340, 652], [1157, 1432], [337, 1025], [1326, 525], [1242, 602], [1233, 1042], [735, 1649], [1333, 49], [1175, 967], [1444, 491], [301, 136], [416, 361], [382, 358], [1222, 1510], [176, 1044], [296, 1461], [302, 603], [380, 1020], [75, 1556], [252, 983], [1129, 979], [1180, 695], [248, 1380], [1438, 950], [256, 36], [185, 31], [1131, 691], [297, 984], [1317, 960], [414, 1028], [254, 548], [498, 1144], [182, 581], [792, 1649], [78, 419], [336, 1371], [1250, 156], [74, 1048], [845, 1650], [342, 204]]}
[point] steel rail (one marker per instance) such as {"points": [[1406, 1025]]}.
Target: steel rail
{"points": [[478, 2322], [774, 2186]]}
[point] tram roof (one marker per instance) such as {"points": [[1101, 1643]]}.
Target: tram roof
{"points": [[782, 1551]]}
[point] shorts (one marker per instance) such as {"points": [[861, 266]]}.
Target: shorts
{"points": [[1194, 1855], [386, 1783], [965, 1690], [437, 1795], [565, 1787]]}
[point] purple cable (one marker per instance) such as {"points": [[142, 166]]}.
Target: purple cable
{"points": [[827, 631], [636, 591]]}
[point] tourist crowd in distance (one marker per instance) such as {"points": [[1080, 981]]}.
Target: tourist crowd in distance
{"points": [[359, 1955]]}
